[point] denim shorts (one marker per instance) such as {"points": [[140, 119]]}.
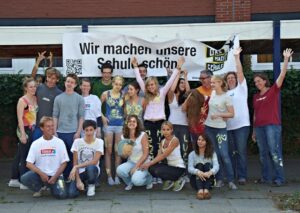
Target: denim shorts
{"points": [[112, 129]]}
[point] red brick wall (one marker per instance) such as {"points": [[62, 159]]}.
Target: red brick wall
{"points": [[233, 10], [104, 8], [275, 6]]}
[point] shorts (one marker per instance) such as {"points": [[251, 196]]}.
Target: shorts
{"points": [[112, 129]]}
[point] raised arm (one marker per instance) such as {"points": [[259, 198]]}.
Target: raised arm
{"points": [[41, 56], [187, 84], [139, 79], [287, 53], [173, 88], [239, 67]]}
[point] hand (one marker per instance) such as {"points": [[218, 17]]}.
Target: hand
{"points": [[134, 62], [44, 177], [145, 166], [104, 120], [287, 53], [52, 180], [207, 174], [80, 185], [253, 136], [237, 51], [133, 170], [41, 56], [200, 174], [72, 175], [23, 139], [180, 62], [76, 135]]}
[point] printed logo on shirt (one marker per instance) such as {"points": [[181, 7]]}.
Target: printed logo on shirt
{"points": [[48, 151], [261, 99], [87, 106], [46, 99]]}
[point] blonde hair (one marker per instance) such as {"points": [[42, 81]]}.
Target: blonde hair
{"points": [[26, 81], [167, 123], [148, 95], [45, 119], [118, 77], [223, 81]]}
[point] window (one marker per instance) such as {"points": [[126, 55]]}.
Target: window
{"points": [[5, 63]]}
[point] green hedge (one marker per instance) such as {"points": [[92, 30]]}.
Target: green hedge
{"points": [[11, 90]]}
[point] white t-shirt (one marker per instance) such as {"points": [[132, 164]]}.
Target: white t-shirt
{"points": [[239, 97], [48, 155], [92, 107], [86, 152], [217, 104]]}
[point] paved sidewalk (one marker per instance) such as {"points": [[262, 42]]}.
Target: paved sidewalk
{"points": [[248, 198]]}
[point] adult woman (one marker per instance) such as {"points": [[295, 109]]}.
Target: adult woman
{"points": [[133, 102], [171, 173], [26, 113], [238, 127], [92, 105], [154, 113], [203, 164], [113, 124], [130, 171], [267, 123], [178, 118], [220, 108]]}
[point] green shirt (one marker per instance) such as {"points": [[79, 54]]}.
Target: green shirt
{"points": [[98, 89]]}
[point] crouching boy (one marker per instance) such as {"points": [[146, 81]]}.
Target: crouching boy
{"points": [[86, 154], [46, 160]]}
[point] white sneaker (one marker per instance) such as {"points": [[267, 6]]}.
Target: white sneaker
{"points": [[14, 183], [154, 180], [110, 181], [117, 181], [91, 190], [37, 194], [232, 186], [23, 187], [149, 186], [129, 187], [159, 181], [219, 184], [186, 178]]}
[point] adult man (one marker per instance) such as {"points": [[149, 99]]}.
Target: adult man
{"points": [[47, 159], [68, 114], [105, 83], [205, 88]]}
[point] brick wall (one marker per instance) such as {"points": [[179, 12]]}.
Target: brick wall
{"points": [[233, 10], [104, 8], [275, 6]]}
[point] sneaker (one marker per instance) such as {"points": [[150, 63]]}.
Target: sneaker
{"points": [[117, 181], [167, 185], [186, 178], [91, 190], [242, 181], [23, 187], [149, 186], [14, 183], [110, 181], [129, 187], [219, 184], [159, 181], [232, 186], [154, 180], [37, 194], [277, 183], [178, 185], [260, 181]]}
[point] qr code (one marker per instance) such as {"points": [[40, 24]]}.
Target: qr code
{"points": [[74, 66]]}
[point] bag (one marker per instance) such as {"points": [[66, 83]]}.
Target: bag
{"points": [[125, 147]]}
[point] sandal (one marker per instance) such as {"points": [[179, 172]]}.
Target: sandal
{"points": [[200, 195], [260, 181]]}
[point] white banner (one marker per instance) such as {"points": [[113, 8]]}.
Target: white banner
{"points": [[84, 54]]}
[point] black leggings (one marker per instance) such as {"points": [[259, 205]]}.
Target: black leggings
{"points": [[166, 172], [152, 128], [197, 183]]}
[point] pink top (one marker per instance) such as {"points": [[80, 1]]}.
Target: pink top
{"points": [[266, 107], [155, 109]]}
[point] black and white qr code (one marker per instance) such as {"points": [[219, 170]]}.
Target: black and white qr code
{"points": [[74, 66]]}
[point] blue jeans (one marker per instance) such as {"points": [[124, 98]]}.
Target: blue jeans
{"points": [[138, 178], [238, 139], [68, 139], [34, 182], [90, 176], [218, 137], [269, 144]]}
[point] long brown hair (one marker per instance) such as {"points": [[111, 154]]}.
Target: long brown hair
{"points": [[148, 95], [138, 128], [195, 102], [209, 149]]}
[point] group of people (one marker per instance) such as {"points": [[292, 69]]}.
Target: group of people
{"points": [[203, 140]]}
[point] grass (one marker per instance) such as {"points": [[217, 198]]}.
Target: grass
{"points": [[288, 201]]}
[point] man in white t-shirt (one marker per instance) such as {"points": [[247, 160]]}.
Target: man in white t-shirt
{"points": [[46, 160], [86, 153]]}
